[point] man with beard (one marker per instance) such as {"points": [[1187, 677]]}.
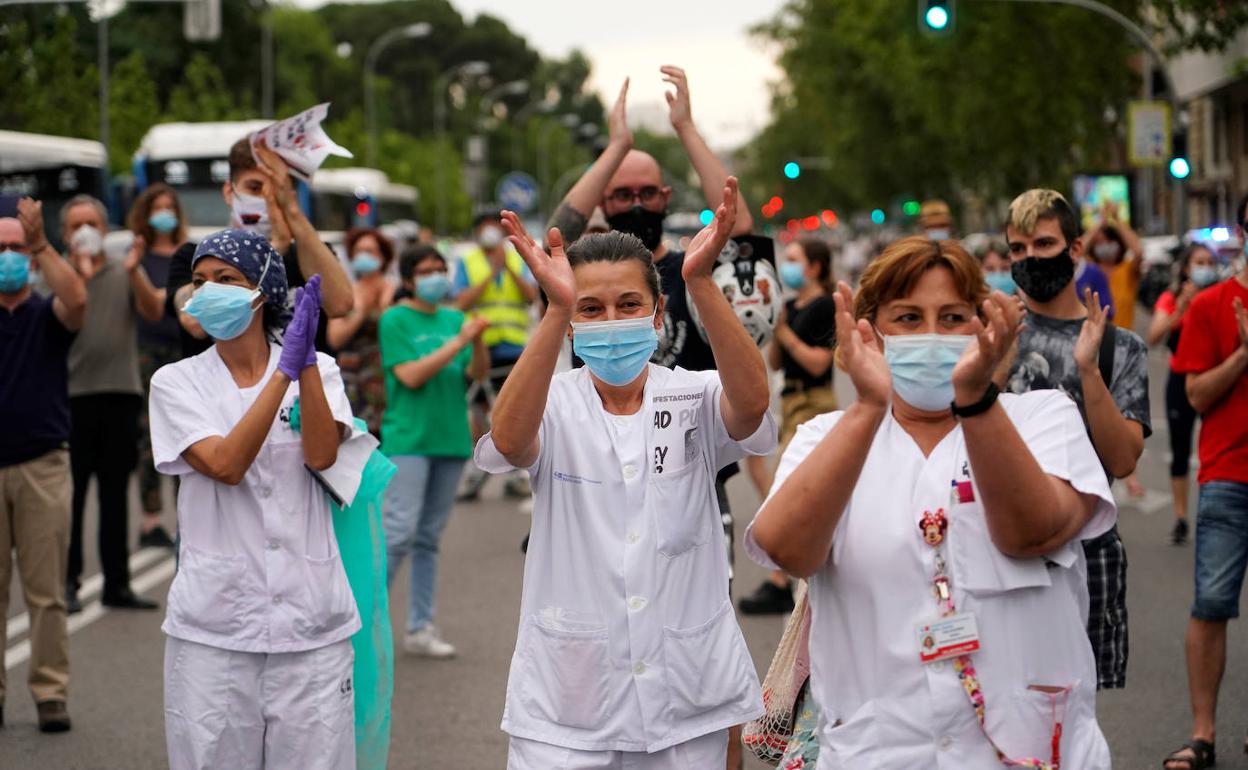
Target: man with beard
{"points": [[1105, 372], [628, 185]]}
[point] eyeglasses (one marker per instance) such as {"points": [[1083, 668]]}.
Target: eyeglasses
{"points": [[647, 194], [14, 246]]}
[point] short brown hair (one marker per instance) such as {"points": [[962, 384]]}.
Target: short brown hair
{"points": [[895, 273], [241, 158], [141, 210], [383, 243], [616, 246]]}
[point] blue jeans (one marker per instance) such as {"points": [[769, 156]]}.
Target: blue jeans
{"points": [[1221, 549], [418, 505]]}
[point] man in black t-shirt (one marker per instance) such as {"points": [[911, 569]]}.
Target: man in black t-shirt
{"points": [[261, 198], [628, 185]]}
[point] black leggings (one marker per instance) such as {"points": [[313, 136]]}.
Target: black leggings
{"points": [[1181, 418]]}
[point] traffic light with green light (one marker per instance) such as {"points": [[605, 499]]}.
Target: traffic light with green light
{"points": [[936, 17], [792, 170], [1179, 165]]}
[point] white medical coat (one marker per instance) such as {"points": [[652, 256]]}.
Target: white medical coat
{"points": [[258, 567], [876, 588], [627, 638]]}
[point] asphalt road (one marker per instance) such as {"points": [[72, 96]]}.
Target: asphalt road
{"points": [[446, 713]]}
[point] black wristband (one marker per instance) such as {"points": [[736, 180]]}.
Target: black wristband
{"points": [[980, 406]]}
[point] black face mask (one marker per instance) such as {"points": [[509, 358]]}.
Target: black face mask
{"points": [[1043, 278], [641, 222]]}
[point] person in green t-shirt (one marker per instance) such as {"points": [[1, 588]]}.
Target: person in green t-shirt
{"points": [[426, 351]]}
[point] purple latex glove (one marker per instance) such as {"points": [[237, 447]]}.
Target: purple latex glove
{"points": [[299, 342]]}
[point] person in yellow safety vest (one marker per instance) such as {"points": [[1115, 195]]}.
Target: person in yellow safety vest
{"points": [[492, 282]]}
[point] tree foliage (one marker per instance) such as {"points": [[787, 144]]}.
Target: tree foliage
{"points": [[48, 55]]}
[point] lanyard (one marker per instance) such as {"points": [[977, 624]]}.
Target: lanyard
{"points": [[933, 527]]}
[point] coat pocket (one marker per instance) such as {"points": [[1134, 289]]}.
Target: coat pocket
{"points": [[208, 591], [708, 665], [328, 603], [564, 674], [679, 502], [979, 566]]}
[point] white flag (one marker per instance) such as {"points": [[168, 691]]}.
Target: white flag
{"points": [[301, 141]]}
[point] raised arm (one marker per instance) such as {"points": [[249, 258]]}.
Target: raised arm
{"points": [[796, 524], [517, 413], [1119, 442], [1029, 512], [738, 359], [1207, 388], [575, 208], [414, 374], [69, 290], [1163, 322], [315, 258], [711, 173], [148, 300]]}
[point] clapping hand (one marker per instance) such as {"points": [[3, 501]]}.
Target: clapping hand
{"points": [[134, 256], [299, 343], [472, 330], [706, 246], [1241, 320], [618, 132], [1088, 345], [973, 373], [678, 102], [861, 352], [30, 214], [552, 271]]}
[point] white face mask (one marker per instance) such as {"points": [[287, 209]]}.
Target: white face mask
{"points": [[490, 236], [87, 240], [250, 212]]}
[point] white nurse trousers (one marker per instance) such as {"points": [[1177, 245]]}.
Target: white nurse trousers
{"points": [[250, 710], [707, 752]]}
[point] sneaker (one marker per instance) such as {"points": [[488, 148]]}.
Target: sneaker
{"points": [[1178, 535], [470, 489], [157, 538], [53, 716], [517, 488], [767, 599], [426, 643]]}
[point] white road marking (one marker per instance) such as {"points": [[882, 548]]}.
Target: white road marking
{"points": [[18, 653], [19, 624]]}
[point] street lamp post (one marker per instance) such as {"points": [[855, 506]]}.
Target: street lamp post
{"points": [[517, 136], [471, 69], [410, 32], [513, 88], [568, 121]]}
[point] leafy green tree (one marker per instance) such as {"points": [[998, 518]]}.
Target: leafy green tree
{"points": [[62, 97], [132, 109], [202, 95]]}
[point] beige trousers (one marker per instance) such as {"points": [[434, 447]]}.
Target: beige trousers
{"points": [[34, 522]]}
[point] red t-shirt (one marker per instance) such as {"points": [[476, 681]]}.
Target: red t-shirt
{"points": [[1210, 336]]}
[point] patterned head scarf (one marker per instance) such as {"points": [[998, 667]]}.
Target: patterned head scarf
{"points": [[257, 260]]}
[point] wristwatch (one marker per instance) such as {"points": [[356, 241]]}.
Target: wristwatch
{"points": [[980, 406]]}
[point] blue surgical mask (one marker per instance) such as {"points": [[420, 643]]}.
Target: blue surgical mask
{"points": [[616, 351], [922, 367], [1001, 282], [433, 288], [14, 271], [163, 221], [1204, 276], [365, 263], [939, 234], [792, 275], [223, 311]]}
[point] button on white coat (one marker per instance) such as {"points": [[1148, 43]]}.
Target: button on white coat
{"points": [[274, 545], [639, 668], [636, 602], [630, 472], [632, 538], [944, 743]]}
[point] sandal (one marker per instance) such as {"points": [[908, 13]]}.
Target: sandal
{"points": [[1203, 756]]}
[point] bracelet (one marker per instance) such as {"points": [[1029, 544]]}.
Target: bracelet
{"points": [[37, 249], [980, 406]]}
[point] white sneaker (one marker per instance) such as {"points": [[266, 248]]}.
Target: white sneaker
{"points": [[426, 643]]}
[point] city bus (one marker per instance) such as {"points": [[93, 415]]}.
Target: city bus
{"points": [[52, 169], [343, 198], [193, 158]]}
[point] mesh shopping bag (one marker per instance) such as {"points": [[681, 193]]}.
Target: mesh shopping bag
{"points": [[768, 736]]}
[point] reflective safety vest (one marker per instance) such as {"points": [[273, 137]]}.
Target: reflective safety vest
{"points": [[503, 306]]}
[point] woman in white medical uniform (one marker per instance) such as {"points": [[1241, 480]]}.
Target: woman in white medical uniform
{"points": [[258, 657], [939, 525], [628, 653]]}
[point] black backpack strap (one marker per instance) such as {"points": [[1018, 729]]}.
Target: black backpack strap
{"points": [[1106, 357]]}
